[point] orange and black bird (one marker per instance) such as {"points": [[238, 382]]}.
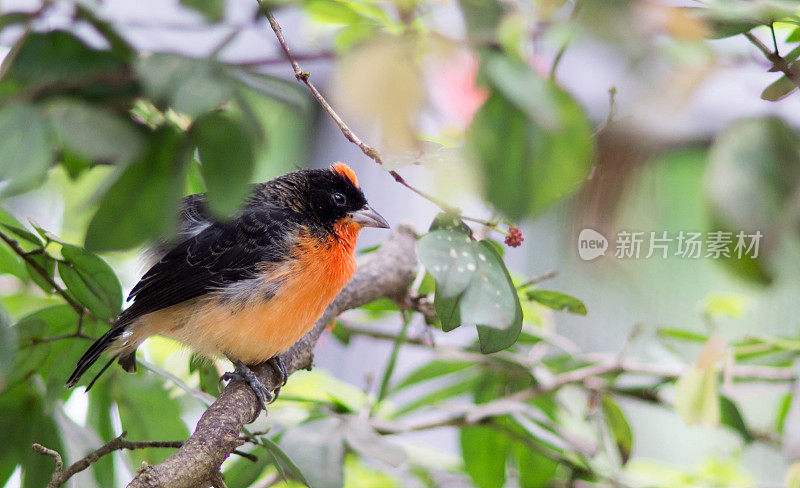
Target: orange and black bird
{"points": [[250, 287]]}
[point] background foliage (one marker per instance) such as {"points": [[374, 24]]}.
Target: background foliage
{"points": [[117, 134]]}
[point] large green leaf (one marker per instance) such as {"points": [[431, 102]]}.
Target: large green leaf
{"points": [[449, 256], [731, 417], [190, 86], [752, 176], [66, 64], [8, 348], [227, 153], [95, 133], [491, 299], [141, 205], [534, 161], [91, 281], [148, 412], [317, 447], [25, 147], [484, 451]]}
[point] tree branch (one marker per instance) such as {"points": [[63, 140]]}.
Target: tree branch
{"points": [[388, 272], [776, 59], [61, 475]]}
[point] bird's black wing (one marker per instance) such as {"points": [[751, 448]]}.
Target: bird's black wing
{"points": [[221, 254]]}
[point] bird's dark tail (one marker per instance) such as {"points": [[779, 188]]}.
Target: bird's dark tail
{"points": [[127, 360]]}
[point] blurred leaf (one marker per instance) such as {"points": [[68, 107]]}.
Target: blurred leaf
{"points": [[207, 372], [94, 133], [243, 473], [363, 439], [619, 427], [464, 384], [211, 10], [190, 86], [778, 90], [696, 395], [92, 281], [484, 451], [685, 335], [118, 44], [48, 264], [23, 234], [792, 477], [752, 175], [535, 469], [529, 166], [783, 410], [284, 460], [227, 155], [431, 370], [67, 64], [148, 412], [29, 357], [25, 147], [557, 301], [731, 417], [99, 418], [318, 450], [723, 24], [482, 18], [8, 348], [141, 204]]}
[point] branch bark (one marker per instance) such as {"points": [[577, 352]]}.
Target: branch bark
{"points": [[388, 272]]}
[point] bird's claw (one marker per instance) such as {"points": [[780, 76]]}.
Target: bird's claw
{"points": [[277, 364], [243, 373]]}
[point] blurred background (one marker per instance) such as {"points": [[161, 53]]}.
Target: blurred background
{"points": [[616, 116]]}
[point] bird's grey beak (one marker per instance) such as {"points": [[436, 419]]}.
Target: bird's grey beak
{"points": [[367, 217]]}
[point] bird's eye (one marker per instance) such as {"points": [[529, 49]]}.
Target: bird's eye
{"points": [[339, 199]]}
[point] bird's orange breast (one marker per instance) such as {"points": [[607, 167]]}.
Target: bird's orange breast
{"points": [[263, 326]]}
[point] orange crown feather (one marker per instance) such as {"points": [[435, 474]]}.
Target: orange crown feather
{"points": [[345, 171]]}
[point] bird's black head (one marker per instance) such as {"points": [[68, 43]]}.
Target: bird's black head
{"points": [[328, 196]]}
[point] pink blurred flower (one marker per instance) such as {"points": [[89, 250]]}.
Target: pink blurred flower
{"points": [[453, 93]]}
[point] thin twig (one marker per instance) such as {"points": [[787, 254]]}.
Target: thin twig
{"points": [[369, 151], [777, 61], [538, 279], [14, 245]]}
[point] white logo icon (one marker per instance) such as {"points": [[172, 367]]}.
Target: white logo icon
{"points": [[591, 244]]}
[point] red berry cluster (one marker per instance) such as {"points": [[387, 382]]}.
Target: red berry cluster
{"points": [[514, 237]]}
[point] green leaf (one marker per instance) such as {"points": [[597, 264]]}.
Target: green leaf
{"points": [[99, 418], [557, 301], [529, 165], [778, 90], [619, 427], [491, 299], [317, 448], [29, 358], [148, 412], [731, 417], [447, 309], [190, 86], [8, 348], [243, 473], [535, 469], [696, 398], [91, 281], [141, 205], [484, 451], [58, 58], [681, 334], [449, 256], [464, 384], [46, 262], [755, 160], [285, 461], [25, 147], [208, 374], [431, 370], [211, 10], [227, 153], [482, 18], [23, 234], [94, 133]]}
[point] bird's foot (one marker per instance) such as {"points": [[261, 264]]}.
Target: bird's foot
{"points": [[243, 373], [277, 365]]}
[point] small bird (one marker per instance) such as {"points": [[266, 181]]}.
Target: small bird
{"points": [[248, 288]]}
